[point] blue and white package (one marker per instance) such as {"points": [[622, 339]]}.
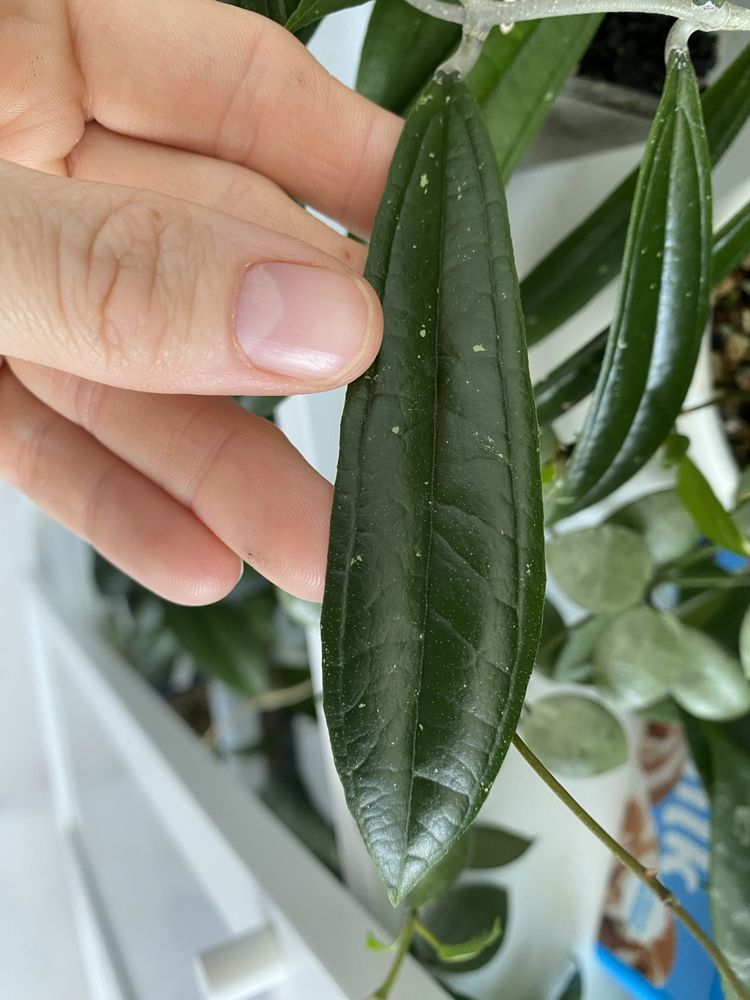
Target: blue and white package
{"points": [[667, 827]]}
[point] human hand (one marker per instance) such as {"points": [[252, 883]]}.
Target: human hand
{"points": [[150, 253]]}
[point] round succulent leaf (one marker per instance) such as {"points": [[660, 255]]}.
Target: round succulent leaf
{"points": [[637, 657], [712, 684], [663, 523], [466, 913], [575, 735], [604, 569]]}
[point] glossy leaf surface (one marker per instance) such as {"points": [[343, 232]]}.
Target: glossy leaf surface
{"points": [[518, 76], [515, 80], [435, 586], [729, 882], [574, 735], [402, 49], [590, 257], [604, 569], [704, 507], [662, 305]]}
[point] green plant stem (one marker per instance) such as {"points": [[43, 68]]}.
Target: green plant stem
{"points": [[268, 701], [403, 943], [646, 875]]}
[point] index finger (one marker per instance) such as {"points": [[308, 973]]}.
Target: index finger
{"points": [[212, 78]]}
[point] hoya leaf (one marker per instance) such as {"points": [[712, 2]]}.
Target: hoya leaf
{"points": [[574, 735], [711, 684], [604, 569], [219, 639], [515, 80], [402, 49], [637, 657], [435, 587], [439, 879], [662, 306], [731, 244], [663, 523], [468, 915], [375, 944], [588, 258], [553, 637], [573, 665], [729, 880], [494, 847], [307, 12], [449, 954], [705, 509], [745, 642], [518, 76], [571, 381]]}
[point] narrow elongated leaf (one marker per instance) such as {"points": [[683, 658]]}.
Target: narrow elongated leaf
{"points": [[575, 377], [590, 257], [731, 244], [515, 80], [307, 12], [518, 76], [277, 10], [705, 509], [435, 586], [402, 49], [572, 380], [729, 879], [662, 307]]}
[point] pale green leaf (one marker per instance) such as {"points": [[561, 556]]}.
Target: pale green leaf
{"points": [[575, 735]]}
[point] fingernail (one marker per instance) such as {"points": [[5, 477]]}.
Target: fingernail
{"points": [[307, 322]]}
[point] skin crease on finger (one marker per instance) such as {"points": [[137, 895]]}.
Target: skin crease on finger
{"points": [[44, 126]]}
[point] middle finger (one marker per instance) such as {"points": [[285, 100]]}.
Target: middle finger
{"points": [[237, 472]]}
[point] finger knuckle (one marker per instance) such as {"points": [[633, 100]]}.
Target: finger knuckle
{"points": [[124, 305]]}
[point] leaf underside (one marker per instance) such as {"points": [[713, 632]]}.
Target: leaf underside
{"points": [[435, 583]]}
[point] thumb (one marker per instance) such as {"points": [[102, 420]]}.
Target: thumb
{"points": [[147, 292]]}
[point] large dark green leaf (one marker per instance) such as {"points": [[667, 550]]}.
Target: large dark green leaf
{"points": [[590, 257], [435, 586], [518, 76], [441, 877], [729, 881], [403, 47], [662, 307]]}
